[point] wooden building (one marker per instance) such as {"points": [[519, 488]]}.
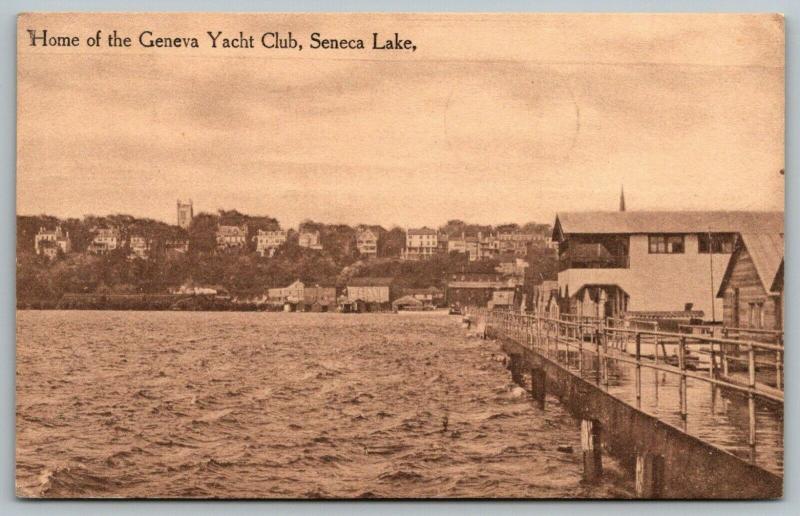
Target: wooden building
{"points": [[752, 287]]}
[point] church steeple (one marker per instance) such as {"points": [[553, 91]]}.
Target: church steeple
{"points": [[622, 198]]}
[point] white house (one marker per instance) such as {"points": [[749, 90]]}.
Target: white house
{"points": [[105, 240], [421, 244], [650, 261], [309, 239], [267, 242], [231, 237], [49, 242], [367, 243]]}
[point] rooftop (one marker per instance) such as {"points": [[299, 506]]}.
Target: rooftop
{"points": [[631, 222]]}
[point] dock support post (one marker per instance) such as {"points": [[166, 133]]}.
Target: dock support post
{"points": [[649, 475], [539, 385], [592, 455]]}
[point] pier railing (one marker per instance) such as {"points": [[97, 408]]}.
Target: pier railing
{"points": [[587, 347]]}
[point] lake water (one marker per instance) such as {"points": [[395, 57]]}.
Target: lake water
{"points": [[276, 405]]}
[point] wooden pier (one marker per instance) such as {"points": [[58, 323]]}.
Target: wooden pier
{"points": [[666, 429]]}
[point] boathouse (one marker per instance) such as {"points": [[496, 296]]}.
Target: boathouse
{"points": [[650, 261], [752, 286]]}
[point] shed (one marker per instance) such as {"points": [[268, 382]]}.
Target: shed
{"points": [[752, 287], [408, 303]]}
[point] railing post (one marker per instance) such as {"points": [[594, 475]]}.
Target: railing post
{"points": [[638, 370], [599, 361], [724, 349], [682, 367], [606, 376], [751, 401]]}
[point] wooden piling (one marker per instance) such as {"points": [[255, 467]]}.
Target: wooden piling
{"points": [[649, 475], [592, 454]]}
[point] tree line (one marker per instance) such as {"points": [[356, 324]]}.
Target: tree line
{"points": [[242, 274]]}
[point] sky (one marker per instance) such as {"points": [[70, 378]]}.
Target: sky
{"points": [[493, 119]]}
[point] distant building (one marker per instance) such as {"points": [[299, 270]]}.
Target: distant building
{"points": [[752, 286], [185, 214], [512, 265], [140, 247], [105, 240], [480, 247], [319, 299], [178, 245], [231, 237], [367, 243], [368, 294], [421, 244], [290, 296], [470, 289], [431, 295], [649, 262], [545, 299], [50, 242], [309, 239], [269, 241]]}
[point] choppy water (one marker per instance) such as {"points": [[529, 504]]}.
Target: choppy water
{"points": [[273, 405]]}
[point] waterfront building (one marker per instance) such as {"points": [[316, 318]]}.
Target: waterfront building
{"points": [[288, 297], [649, 262], [309, 239], [319, 299], [49, 242], [752, 286], [431, 295], [185, 214], [421, 244], [367, 243], [105, 240], [231, 237], [472, 289], [373, 293], [269, 241]]}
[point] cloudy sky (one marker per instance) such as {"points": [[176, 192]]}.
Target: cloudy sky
{"points": [[495, 118]]}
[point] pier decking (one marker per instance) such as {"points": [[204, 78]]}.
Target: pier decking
{"points": [[713, 405]]}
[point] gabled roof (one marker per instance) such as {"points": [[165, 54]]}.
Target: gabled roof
{"points": [[407, 300], [632, 222], [422, 231], [766, 251]]}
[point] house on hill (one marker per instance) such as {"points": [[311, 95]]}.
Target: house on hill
{"points": [[752, 286], [309, 239], [105, 240], [267, 242], [421, 244], [367, 243], [650, 262], [49, 242], [231, 237]]}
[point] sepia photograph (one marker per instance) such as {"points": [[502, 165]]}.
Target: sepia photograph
{"points": [[400, 256]]}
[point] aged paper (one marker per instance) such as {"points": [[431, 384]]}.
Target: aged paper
{"points": [[400, 255]]}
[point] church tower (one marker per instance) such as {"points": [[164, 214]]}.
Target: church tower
{"points": [[185, 214]]}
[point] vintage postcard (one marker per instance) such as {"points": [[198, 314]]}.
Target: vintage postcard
{"points": [[400, 256]]}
